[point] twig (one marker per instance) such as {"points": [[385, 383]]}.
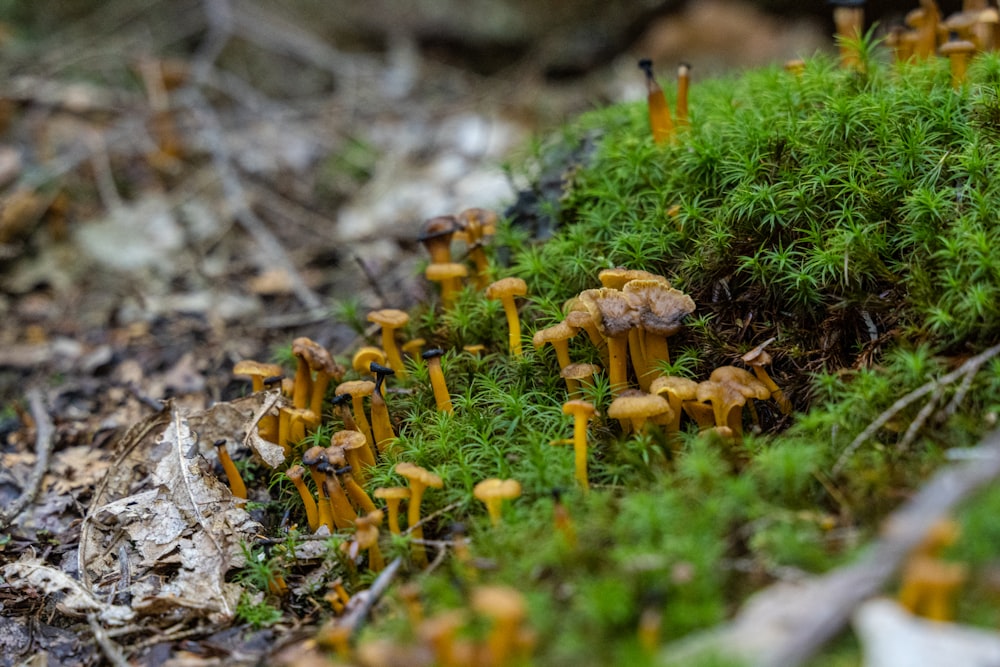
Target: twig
{"points": [[44, 440], [446, 508], [366, 599], [918, 422], [109, 648], [971, 365]]}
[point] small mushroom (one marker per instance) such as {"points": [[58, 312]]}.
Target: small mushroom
{"points": [[343, 471], [438, 633], [505, 607], [449, 276], [309, 354], [661, 310], [959, 51], [381, 424], [561, 519], [358, 389], [757, 359], [438, 384], [256, 371], [582, 411], [340, 407], [619, 276], [615, 318], [633, 410], [660, 124], [478, 223], [492, 492], [676, 390], [366, 537], [342, 514], [683, 84], [414, 347], [236, 485], [420, 479], [393, 495], [558, 336], [436, 237], [296, 474], [849, 19], [583, 375], [312, 458], [355, 448], [728, 389], [505, 290], [391, 320], [364, 357]]}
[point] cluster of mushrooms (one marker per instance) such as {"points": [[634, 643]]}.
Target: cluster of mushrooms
{"points": [[925, 31]]}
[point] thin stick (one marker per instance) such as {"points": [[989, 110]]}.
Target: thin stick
{"points": [[921, 419], [44, 440], [361, 604], [901, 404], [111, 650]]}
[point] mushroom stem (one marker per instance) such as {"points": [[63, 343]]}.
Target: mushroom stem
{"points": [[393, 495], [355, 492], [303, 384], [236, 485], [341, 512], [683, 83], [636, 352], [505, 290], [514, 324], [618, 363], [441, 396], [660, 123], [295, 474], [392, 352], [381, 424], [312, 458]]}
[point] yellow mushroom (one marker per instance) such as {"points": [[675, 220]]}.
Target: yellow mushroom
{"points": [[358, 389], [660, 123], [381, 424], [449, 275], [355, 448], [363, 358], [236, 485], [558, 336], [296, 475], [420, 479], [505, 290], [582, 411], [391, 320], [505, 607], [393, 495], [492, 492], [441, 396]]}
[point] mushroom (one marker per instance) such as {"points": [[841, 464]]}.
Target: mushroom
{"points": [[757, 359], [339, 403], [310, 356], [478, 222], [578, 316], [614, 317], [436, 237], [236, 485], [928, 584], [635, 409], [924, 20], [438, 633], [381, 424], [492, 492], [366, 537], [582, 374], [505, 607], [299, 422], [619, 276], [358, 389], [849, 19], [413, 347], [342, 514], [355, 448], [256, 371], [561, 518], [363, 358], [393, 495], [476, 349], [558, 336], [660, 311], [505, 290], [355, 493], [312, 458], [448, 276], [582, 411], [676, 390], [440, 387], [958, 51], [660, 123], [683, 83], [391, 320], [728, 389], [295, 474], [420, 479]]}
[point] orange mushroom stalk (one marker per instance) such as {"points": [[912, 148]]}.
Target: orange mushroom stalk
{"points": [[420, 479], [393, 495], [505, 290], [441, 396], [492, 492], [236, 485], [660, 123], [296, 474], [582, 411], [683, 83], [391, 320], [381, 424]]}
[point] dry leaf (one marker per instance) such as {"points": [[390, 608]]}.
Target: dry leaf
{"points": [[33, 573]]}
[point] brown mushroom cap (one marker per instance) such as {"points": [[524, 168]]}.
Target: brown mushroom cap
{"points": [[389, 317], [438, 227], [356, 388], [415, 473], [617, 277], [742, 381], [506, 287], [251, 368], [758, 356], [638, 406], [315, 355], [956, 46], [504, 489], [557, 332], [660, 307], [485, 218], [313, 456], [610, 310], [348, 440], [579, 371], [392, 493]]}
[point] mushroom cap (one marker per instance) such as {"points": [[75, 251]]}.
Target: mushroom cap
{"points": [[315, 355], [610, 310], [413, 345], [365, 356], [915, 17], [961, 20], [484, 217], [742, 381], [348, 440], [497, 488], [506, 287], [638, 406], [576, 406], [335, 457], [579, 318], [432, 353], [313, 456], [661, 308], [560, 331], [758, 356], [415, 473], [617, 277], [390, 318], [499, 602], [579, 371], [683, 388], [438, 227], [956, 46], [475, 348], [249, 367], [392, 492], [438, 272], [355, 388], [295, 473]]}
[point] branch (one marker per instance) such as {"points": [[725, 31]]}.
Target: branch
{"points": [[44, 440]]}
